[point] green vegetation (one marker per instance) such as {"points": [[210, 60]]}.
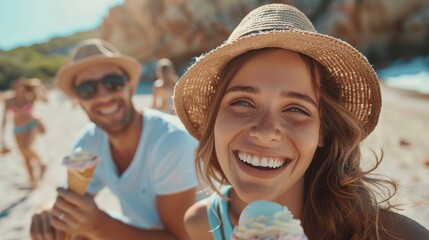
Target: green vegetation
{"points": [[39, 60], [29, 63]]}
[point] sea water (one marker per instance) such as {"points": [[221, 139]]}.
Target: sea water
{"points": [[411, 75]]}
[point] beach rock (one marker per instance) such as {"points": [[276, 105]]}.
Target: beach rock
{"points": [[178, 30], [381, 29], [183, 29]]}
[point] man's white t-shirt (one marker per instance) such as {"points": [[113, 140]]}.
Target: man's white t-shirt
{"points": [[163, 164]]}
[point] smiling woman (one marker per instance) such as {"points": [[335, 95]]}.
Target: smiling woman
{"points": [[29, 22], [280, 111], [260, 118]]}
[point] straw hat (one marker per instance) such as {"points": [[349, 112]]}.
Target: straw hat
{"points": [[93, 51], [280, 26]]}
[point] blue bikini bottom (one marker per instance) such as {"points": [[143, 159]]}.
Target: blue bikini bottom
{"points": [[26, 127]]}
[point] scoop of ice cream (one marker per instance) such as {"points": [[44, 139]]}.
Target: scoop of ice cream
{"points": [[265, 218], [80, 160]]}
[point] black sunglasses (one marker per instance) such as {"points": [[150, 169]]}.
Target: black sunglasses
{"points": [[89, 88]]}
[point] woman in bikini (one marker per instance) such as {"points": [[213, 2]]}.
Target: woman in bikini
{"points": [[26, 126], [164, 85]]}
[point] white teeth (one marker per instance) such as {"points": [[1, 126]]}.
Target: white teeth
{"points": [[264, 162], [255, 161], [271, 163], [248, 158], [109, 110], [259, 161]]}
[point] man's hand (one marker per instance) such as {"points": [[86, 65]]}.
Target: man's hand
{"points": [[74, 213], [41, 229]]}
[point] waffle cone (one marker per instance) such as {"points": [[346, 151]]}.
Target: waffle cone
{"points": [[78, 181]]}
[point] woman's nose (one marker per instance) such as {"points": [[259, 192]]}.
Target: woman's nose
{"points": [[266, 129]]}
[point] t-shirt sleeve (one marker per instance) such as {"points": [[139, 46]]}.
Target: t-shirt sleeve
{"points": [[173, 165], [88, 139]]}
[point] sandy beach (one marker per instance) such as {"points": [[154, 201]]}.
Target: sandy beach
{"points": [[402, 132]]}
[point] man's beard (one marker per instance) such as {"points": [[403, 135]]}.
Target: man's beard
{"points": [[118, 127]]}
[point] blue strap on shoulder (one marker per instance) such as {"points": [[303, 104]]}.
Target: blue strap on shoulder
{"points": [[217, 212]]}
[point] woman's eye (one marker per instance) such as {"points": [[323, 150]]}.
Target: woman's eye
{"points": [[242, 103], [297, 110]]}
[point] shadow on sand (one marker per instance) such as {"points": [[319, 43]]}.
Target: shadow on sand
{"points": [[6, 211]]}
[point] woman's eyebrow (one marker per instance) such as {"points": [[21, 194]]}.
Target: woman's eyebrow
{"points": [[301, 96], [285, 94], [242, 88]]}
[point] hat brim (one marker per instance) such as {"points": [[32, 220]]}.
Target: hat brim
{"points": [[66, 74], [358, 82]]}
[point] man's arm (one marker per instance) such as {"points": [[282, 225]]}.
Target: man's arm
{"points": [[80, 215], [107, 228], [172, 213], [40, 228]]}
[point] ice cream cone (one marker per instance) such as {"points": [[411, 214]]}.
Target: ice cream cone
{"points": [[80, 170], [77, 181], [80, 165], [265, 220]]}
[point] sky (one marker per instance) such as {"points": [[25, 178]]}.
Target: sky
{"points": [[25, 22]]}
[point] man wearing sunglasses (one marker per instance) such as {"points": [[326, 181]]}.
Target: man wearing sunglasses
{"points": [[146, 156]]}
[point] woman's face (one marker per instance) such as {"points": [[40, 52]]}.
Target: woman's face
{"points": [[20, 88], [268, 126]]}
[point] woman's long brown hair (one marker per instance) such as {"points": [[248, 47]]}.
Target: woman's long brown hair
{"points": [[341, 200]]}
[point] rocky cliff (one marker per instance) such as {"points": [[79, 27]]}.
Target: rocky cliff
{"points": [[177, 29], [381, 29], [182, 29]]}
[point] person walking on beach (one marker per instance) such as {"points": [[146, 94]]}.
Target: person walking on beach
{"points": [[163, 87], [26, 92], [146, 155], [280, 111]]}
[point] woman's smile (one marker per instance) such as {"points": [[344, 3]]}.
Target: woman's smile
{"points": [[261, 161], [268, 126], [260, 166]]}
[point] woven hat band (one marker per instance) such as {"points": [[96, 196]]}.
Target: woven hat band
{"points": [[277, 18]]}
